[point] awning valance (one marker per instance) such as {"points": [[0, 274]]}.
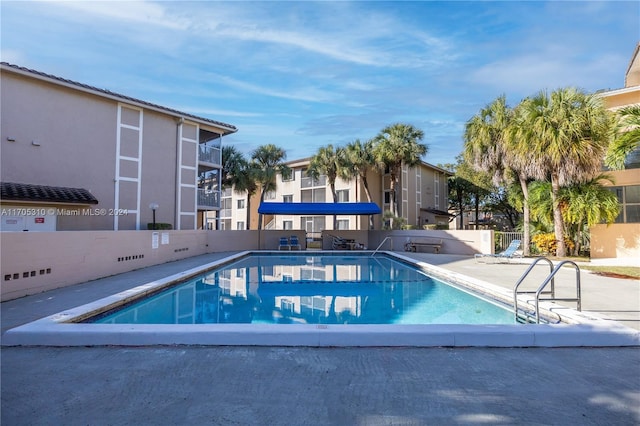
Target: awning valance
{"points": [[319, 208]]}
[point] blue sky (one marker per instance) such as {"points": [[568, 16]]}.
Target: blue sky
{"points": [[302, 75]]}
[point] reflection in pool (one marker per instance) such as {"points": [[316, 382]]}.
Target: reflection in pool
{"points": [[311, 289]]}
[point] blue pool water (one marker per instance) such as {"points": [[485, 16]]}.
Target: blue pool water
{"points": [[311, 289]]}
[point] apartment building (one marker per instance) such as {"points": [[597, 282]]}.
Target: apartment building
{"points": [[422, 199], [77, 157], [622, 239]]}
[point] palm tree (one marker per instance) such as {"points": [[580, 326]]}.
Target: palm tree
{"points": [[627, 137], [268, 161], [330, 162], [247, 182], [239, 174], [486, 148], [564, 136], [588, 204], [394, 146], [583, 205], [359, 159], [232, 162]]}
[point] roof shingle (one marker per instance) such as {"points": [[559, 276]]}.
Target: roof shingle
{"points": [[11, 191]]}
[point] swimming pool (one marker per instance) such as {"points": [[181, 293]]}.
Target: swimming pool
{"points": [[67, 328], [311, 289]]}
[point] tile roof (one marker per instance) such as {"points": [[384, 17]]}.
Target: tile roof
{"points": [[11, 191], [108, 93]]}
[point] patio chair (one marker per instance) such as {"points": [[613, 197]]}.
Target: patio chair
{"points": [[340, 243], [284, 244], [294, 243], [507, 254]]}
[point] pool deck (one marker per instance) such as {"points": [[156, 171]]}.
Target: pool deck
{"points": [[324, 386]]}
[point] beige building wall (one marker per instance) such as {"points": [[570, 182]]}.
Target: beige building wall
{"points": [[126, 153], [621, 240], [420, 188]]}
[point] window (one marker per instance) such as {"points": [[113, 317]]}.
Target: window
{"points": [[287, 224], [343, 223], [313, 195], [225, 224], [343, 195], [289, 177], [308, 181], [436, 190], [387, 197], [312, 223], [287, 198], [271, 195], [225, 208], [240, 226], [629, 199], [241, 204]]}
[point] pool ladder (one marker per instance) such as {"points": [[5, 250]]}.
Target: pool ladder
{"points": [[528, 316], [383, 241]]}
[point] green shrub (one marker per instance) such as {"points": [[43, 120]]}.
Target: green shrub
{"points": [[160, 226]]}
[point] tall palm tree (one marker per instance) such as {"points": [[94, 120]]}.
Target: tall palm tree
{"points": [[486, 148], [564, 135], [394, 146], [359, 160], [236, 174], [627, 137], [328, 161], [268, 162], [247, 182]]}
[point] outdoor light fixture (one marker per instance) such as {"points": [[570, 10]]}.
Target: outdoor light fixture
{"points": [[154, 207]]}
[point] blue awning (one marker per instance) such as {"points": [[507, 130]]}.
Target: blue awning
{"points": [[319, 208]]}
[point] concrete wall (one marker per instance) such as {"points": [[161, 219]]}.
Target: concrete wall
{"points": [[33, 262], [453, 241], [619, 240]]}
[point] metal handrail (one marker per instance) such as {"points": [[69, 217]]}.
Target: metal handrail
{"points": [[383, 241], [515, 288], [577, 299]]}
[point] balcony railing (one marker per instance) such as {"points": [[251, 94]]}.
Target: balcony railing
{"points": [[209, 154], [208, 198]]}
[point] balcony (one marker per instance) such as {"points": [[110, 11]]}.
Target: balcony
{"points": [[209, 154], [208, 199]]}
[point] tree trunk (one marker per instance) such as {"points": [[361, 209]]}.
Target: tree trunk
{"points": [[558, 223], [335, 200], [392, 198], [368, 194], [461, 209], [248, 219], [526, 244], [259, 214], [477, 208]]}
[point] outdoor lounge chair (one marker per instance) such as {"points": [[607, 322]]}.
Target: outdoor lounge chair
{"points": [[509, 253], [284, 244], [340, 243], [294, 243]]}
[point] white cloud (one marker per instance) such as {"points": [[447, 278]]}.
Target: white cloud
{"points": [[139, 12]]}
